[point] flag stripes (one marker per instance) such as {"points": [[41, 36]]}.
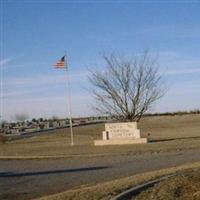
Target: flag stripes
{"points": [[60, 63]]}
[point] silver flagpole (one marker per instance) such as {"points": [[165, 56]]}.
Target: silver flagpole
{"points": [[69, 103]]}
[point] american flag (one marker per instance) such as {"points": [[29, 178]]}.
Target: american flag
{"points": [[61, 63]]}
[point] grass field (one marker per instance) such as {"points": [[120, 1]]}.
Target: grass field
{"points": [[166, 133]]}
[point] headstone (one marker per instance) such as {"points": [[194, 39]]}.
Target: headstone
{"points": [[121, 133]]}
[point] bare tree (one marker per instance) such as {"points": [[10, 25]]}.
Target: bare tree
{"points": [[128, 87]]}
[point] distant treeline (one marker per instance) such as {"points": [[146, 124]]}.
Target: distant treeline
{"points": [[197, 111]]}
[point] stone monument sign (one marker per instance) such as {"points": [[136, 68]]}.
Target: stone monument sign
{"points": [[121, 133]]}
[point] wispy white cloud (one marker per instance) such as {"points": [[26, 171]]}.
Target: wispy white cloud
{"points": [[14, 87], [186, 31], [175, 63], [12, 94], [169, 55], [5, 61], [182, 71], [186, 88], [44, 79], [27, 65]]}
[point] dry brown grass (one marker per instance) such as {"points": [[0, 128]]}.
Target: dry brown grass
{"points": [[168, 127], [184, 129], [105, 191], [181, 187]]}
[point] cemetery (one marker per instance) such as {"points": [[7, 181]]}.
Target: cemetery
{"points": [[42, 125], [99, 100]]}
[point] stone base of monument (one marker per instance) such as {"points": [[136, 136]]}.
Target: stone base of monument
{"points": [[121, 133], [120, 142]]}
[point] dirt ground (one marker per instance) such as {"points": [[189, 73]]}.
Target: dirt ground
{"points": [[181, 187], [166, 133]]}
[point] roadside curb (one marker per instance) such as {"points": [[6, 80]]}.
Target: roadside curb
{"points": [[40, 157], [43, 157], [56, 156], [132, 192], [68, 156]]}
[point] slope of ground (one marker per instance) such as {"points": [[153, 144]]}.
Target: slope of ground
{"points": [[181, 187]]}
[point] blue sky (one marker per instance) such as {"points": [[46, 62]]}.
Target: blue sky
{"points": [[35, 34]]}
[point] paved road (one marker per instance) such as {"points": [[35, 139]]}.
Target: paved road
{"points": [[27, 179]]}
